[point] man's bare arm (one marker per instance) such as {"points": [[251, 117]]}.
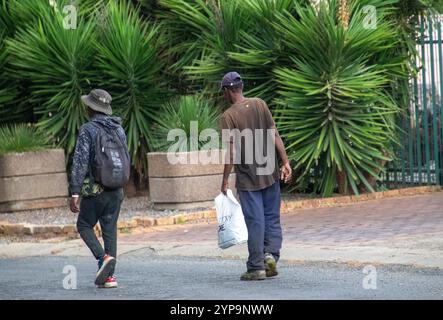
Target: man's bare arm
{"points": [[285, 170], [280, 148], [229, 164]]}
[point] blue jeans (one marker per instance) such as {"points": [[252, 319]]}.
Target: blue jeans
{"points": [[262, 216]]}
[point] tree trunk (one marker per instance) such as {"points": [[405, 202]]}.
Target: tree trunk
{"points": [[370, 178], [341, 182]]}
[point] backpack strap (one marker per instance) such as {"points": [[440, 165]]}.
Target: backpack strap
{"points": [[100, 126], [91, 174]]}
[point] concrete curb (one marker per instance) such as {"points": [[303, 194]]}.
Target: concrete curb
{"points": [[287, 206]]}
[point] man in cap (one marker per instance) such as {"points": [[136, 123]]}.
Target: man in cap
{"points": [[98, 204], [259, 189]]}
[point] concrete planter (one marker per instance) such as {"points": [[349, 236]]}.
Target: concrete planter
{"points": [[185, 186], [33, 180]]}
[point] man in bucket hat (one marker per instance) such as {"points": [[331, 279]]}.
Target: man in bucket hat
{"points": [[98, 203], [259, 189]]}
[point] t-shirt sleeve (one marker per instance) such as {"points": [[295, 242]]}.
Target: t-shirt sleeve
{"points": [[226, 122], [270, 123]]}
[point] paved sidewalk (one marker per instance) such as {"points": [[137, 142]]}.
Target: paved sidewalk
{"points": [[399, 231], [368, 221], [406, 230]]}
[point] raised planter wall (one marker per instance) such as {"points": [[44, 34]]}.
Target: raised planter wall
{"points": [[33, 180], [184, 186]]}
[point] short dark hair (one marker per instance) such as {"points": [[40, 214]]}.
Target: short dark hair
{"points": [[93, 112]]}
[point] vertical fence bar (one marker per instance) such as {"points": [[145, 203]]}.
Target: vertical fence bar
{"points": [[410, 116], [422, 114], [403, 150], [404, 136], [433, 99], [440, 57], [425, 102], [422, 160], [417, 133]]}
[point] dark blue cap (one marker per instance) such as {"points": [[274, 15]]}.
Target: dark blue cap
{"points": [[231, 79]]}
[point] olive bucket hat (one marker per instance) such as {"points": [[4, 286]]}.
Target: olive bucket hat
{"points": [[98, 100]]}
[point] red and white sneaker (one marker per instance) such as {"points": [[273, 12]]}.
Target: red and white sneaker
{"points": [[111, 282], [105, 268]]}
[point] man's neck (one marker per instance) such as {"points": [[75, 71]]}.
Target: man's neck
{"points": [[238, 99]]}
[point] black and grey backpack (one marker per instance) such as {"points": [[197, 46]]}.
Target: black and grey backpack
{"points": [[112, 164]]}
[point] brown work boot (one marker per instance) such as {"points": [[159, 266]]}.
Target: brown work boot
{"points": [[253, 275], [271, 265]]}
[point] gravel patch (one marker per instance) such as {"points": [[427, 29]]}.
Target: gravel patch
{"points": [[131, 207]]}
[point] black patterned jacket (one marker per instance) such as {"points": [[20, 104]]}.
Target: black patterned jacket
{"points": [[85, 149]]}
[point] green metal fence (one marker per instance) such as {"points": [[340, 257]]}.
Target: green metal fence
{"points": [[420, 158]]}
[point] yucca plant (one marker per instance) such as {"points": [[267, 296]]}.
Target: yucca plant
{"points": [[57, 62], [8, 89], [16, 14], [28, 11], [12, 106], [260, 49], [129, 67], [148, 8], [209, 38], [184, 22], [182, 113], [224, 22], [201, 34], [21, 138], [336, 114]]}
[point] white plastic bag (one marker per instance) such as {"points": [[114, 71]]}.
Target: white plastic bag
{"points": [[231, 222]]}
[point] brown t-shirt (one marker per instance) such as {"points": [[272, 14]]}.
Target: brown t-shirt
{"points": [[252, 114]]}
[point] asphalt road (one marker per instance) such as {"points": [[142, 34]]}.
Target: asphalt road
{"points": [[143, 275]]}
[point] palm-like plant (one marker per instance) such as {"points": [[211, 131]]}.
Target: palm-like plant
{"points": [[148, 8], [211, 37], [184, 23], [260, 49], [57, 62], [12, 109], [201, 36], [21, 138], [179, 114], [336, 115], [17, 14], [8, 91], [129, 66]]}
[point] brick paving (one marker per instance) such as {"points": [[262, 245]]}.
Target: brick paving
{"points": [[375, 220]]}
